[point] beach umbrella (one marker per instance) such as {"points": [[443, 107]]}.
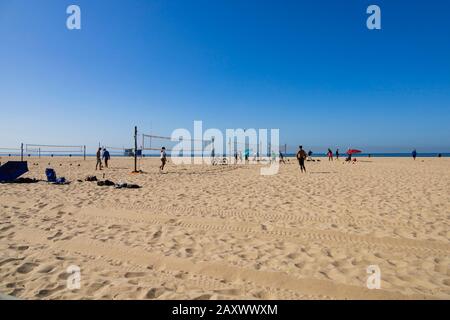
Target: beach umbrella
{"points": [[12, 170], [353, 151]]}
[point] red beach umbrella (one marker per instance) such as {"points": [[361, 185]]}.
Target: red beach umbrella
{"points": [[353, 151]]}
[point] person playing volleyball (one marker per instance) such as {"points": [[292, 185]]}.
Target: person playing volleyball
{"points": [[163, 158]]}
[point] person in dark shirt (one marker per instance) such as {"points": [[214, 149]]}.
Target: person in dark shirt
{"points": [[98, 165], [282, 158], [106, 157]]}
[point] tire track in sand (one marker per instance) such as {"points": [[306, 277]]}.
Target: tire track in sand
{"points": [[230, 274], [333, 237], [246, 214]]}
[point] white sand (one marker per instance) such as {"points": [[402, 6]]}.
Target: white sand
{"points": [[202, 232]]}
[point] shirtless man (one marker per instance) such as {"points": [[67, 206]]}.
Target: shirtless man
{"points": [[301, 156], [163, 158]]}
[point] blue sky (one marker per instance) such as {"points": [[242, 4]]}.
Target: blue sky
{"points": [[310, 68]]}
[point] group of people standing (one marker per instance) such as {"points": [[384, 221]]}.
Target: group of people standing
{"points": [[330, 154], [302, 156], [102, 154]]}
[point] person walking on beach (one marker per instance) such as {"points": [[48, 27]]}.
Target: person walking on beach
{"points": [[213, 156], [282, 158], [337, 154], [301, 156], [106, 157], [163, 158], [330, 155], [414, 154], [99, 159]]}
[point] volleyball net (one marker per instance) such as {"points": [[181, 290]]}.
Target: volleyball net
{"points": [[120, 151], [215, 148], [152, 144], [51, 150], [10, 152]]}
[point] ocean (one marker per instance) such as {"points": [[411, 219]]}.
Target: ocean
{"points": [[320, 155]]}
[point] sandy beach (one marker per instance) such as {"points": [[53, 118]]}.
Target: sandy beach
{"points": [[226, 232]]}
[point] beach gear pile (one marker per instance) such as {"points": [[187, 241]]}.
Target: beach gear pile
{"points": [[25, 180], [52, 178], [105, 183], [109, 183], [126, 185]]}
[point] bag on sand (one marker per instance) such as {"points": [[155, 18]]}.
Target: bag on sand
{"points": [[51, 175], [105, 183], [126, 185]]}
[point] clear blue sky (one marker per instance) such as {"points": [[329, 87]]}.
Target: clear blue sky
{"points": [[310, 68]]}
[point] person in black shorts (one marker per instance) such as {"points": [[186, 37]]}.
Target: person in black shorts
{"points": [[301, 156], [163, 159], [99, 159]]}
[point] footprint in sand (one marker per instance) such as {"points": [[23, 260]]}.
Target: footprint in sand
{"points": [[26, 267], [134, 274], [47, 292], [229, 292], [2, 262], [293, 256], [261, 295], [63, 275], [203, 297], [93, 288], [154, 293], [6, 228], [59, 233], [181, 275], [157, 234], [46, 269], [16, 292]]}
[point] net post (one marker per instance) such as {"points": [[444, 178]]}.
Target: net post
{"points": [[260, 155], [229, 150], [135, 149], [21, 152], [213, 151], [142, 146], [39, 152], [84, 152]]}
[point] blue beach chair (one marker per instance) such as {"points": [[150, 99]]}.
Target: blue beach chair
{"points": [[51, 175]]}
